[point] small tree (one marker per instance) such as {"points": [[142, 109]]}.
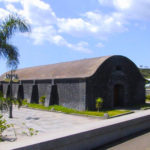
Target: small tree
{"points": [[42, 99], [3, 126], [8, 27], [99, 102]]}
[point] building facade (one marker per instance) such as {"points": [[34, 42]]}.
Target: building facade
{"points": [[78, 84]]}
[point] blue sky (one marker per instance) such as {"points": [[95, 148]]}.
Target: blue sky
{"points": [[65, 30]]}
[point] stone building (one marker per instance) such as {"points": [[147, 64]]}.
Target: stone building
{"points": [[77, 84]]}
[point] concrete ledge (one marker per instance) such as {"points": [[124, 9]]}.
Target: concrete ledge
{"points": [[89, 136]]}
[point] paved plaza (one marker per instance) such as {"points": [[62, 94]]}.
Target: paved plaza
{"points": [[43, 122], [58, 126]]}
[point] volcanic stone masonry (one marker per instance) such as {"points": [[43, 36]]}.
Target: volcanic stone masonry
{"points": [[77, 84]]}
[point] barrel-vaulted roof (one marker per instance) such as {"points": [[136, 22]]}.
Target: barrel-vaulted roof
{"points": [[73, 69]]}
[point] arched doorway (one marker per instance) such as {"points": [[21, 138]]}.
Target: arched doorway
{"points": [[118, 95]]}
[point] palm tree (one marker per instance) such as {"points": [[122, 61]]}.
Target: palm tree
{"points": [[8, 27]]}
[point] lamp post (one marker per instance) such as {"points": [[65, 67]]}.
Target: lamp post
{"points": [[11, 76], [10, 106]]}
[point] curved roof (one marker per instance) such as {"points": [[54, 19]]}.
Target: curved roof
{"points": [[74, 69]]}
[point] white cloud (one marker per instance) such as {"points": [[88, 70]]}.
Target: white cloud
{"points": [[37, 12], [123, 4], [106, 23], [46, 26], [120, 4], [11, 8], [44, 23], [10, 1], [40, 34], [92, 24], [48, 33], [131, 9], [81, 46], [106, 2], [3, 13], [76, 26], [99, 45]]}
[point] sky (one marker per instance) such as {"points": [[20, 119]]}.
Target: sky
{"points": [[66, 30]]}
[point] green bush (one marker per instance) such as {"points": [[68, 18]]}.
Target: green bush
{"points": [[3, 126], [66, 110], [145, 72], [42, 100], [99, 102], [30, 131], [148, 97], [1, 94], [24, 101]]}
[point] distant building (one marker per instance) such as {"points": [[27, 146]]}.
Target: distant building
{"points": [[77, 84]]}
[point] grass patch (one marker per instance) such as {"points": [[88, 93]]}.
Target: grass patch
{"points": [[147, 100], [59, 108]]}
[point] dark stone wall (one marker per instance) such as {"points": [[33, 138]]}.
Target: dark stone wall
{"points": [[6, 89], [54, 97], [72, 93], [45, 90], [48, 95], [20, 92], [1, 88], [81, 94], [68, 92], [35, 94], [117, 70], [15, 90], [27, 89]]}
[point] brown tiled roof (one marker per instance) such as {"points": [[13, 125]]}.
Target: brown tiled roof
{"points": [[74, 69]]}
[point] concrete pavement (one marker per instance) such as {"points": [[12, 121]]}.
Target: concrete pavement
{"points": [[60, 131]]}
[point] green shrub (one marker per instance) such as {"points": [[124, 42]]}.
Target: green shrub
{"points": [[99, 102], [1, 94], [24, 102], [30, 131], [42, 100], [3, 126], [148, 97]]}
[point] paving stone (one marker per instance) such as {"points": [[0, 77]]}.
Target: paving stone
{"points": [[43, 121]]}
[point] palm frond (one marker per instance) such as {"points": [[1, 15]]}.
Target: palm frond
{"points": [[8, 27], [10, 52], [12, 24]]}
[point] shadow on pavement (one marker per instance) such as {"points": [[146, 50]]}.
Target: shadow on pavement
{"points": [[122, 140]]}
